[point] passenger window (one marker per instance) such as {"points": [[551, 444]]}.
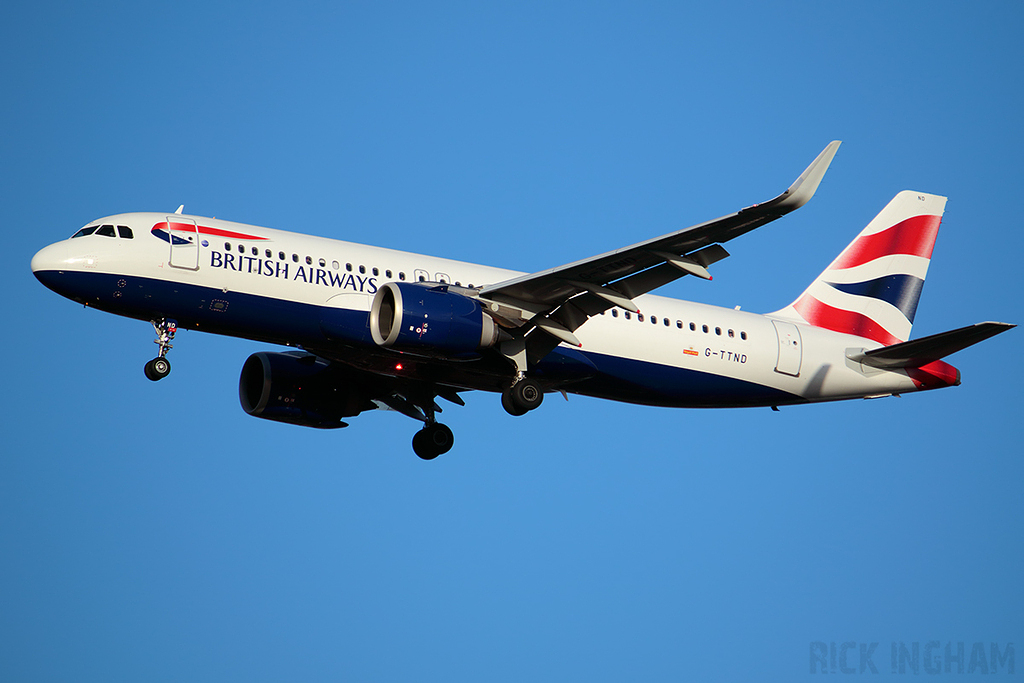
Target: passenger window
{"points": [[227, 246], [84, 231], [640, 317], [666, 322], [309, 260], [124, 232], [376, 272], [401, 276], [679, 324], [295, 257], [387, 274], [705, 328], [241, 248], [106, 231], [335, 265], [423, 278], [718, 331], [743, 336], [323, 263], [348, 267], [269, 253], [626, 314], [281, 255], [654, 320], [362, 270], [693, 327], [615, 313], [255, 251], [731, 334]]}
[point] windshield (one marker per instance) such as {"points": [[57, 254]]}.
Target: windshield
{"points": [[85, 231], [123, 231]]}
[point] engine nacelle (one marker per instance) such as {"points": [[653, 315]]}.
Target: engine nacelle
{"points": [[299, 389], [430, 320]]}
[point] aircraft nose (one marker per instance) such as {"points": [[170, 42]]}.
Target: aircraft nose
{"points": [[48, 260]]}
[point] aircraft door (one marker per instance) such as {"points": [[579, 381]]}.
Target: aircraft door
{"points": [[790, 348], [184, 236]]}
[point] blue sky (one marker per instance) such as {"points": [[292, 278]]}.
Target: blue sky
{"points": [[156, 532]]}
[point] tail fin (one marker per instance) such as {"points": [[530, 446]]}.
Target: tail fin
{"points": [[872, 288]]}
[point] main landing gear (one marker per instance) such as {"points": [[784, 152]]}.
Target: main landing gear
{"points": [[160, 367], [433, 440], [437, 439], [522, 397]]}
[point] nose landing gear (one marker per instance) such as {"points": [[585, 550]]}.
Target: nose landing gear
{"points": [[160, 367]]}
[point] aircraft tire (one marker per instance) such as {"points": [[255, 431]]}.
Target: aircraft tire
{"points": [[509, 405], [157, 369], [433, 440], [526, 395]]}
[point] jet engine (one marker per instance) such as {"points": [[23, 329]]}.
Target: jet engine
{"points": [[299, 389], [430, 320]]}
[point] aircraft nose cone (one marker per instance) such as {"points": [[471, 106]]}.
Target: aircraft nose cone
{"points": [[52, 257], [47, 263]]}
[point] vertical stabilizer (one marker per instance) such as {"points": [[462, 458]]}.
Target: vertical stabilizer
{"points": [[872, 288]]}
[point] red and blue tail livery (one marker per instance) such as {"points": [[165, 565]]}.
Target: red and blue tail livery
{"points": [[378, 328], [872, 288]]}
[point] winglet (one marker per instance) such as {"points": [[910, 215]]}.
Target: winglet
{"points": [[801, 191]]}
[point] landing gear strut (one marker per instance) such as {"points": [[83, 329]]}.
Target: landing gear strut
{"points": [[160, 367], [433, 440], [522, 397]]}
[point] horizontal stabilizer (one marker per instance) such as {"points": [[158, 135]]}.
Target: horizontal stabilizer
{"points": [[918, 352]]}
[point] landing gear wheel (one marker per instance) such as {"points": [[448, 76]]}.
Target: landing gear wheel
{"points": [[433, 440], [524, 396], [158, 368], [510, 407]]}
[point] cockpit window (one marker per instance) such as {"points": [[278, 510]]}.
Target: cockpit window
{"points": [[106, 231], [124, 232], [85, 231]]}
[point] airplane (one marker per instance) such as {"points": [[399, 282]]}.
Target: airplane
{"points": [[375, 328]]}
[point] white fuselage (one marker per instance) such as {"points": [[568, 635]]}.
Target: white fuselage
{"points": [[673, 353]]}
